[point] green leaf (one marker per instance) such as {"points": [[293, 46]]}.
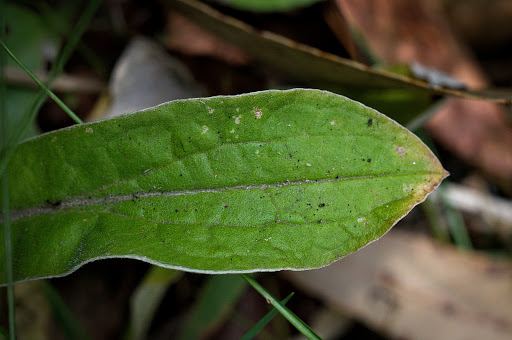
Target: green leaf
{"points": [[258, 182]]}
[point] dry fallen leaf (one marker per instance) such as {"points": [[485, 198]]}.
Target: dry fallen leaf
{"points": [[187, 37], [410, 287]]}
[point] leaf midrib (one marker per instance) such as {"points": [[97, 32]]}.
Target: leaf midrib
{"points": [[85, 201]]}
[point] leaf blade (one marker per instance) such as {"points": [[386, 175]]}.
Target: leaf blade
{"points": [[265, 181]]}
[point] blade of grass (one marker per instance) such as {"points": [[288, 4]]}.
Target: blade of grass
{"points": [[435, 219], [419, 121], [265, 320], [3, 85], [288, 314], [42, 86], [67, 50], [8, 148], [5, 186], [215, 302], [67, 322], [8, 253], [146, 299], [456, 223], [53, 18]]}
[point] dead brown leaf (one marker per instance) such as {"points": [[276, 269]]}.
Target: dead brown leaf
{"points": [[187, 37], [410, 287]]}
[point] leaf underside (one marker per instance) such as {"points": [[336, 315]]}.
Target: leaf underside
{"points": [[257, 182]]}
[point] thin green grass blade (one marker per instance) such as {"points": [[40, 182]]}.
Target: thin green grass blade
{"points": [[436, 221], [19, 130], [74, 38], [265, 320], [456, 224], [420, 120], [61, 22], [146, 299], [215, 301], [42, 86], [4, 178], [64, 316], [288, 314], [3, 83], [67, 50]]}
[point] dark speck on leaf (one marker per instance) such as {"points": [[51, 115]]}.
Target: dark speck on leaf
{"points": [[370, 122], [177, 210], [319, 221], [225, 206], [369, 160], [337, 177], [53, 203], [321, 205]]}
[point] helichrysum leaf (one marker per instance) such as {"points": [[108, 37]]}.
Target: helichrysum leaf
{"points": [[258, 182]]}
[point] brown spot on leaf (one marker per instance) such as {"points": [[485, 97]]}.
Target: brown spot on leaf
{"points": [[257, 113], [400, 151]]}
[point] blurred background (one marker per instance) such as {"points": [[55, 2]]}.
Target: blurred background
{"points": [[442, 68]]}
